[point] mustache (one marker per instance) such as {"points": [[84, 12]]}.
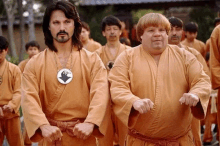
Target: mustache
{"points": [[175, 37], [62, 32]]}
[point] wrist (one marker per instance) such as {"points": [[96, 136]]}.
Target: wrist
{"points": [[42, 126], [91, 124]]}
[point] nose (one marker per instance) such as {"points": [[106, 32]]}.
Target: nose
{"points": [[112, 31], [174, 32], [157, 32], [62, 27]]}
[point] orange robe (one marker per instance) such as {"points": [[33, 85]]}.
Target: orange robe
{"points": [[207, 45], [10, 94], [85, 98], [27, 141], [22, 64], [135, 75], [215, 66], [197, 44], [211, 118], [196, 131], [92, 46], [118, 131]]}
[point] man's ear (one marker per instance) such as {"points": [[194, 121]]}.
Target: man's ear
{"points": [[103, 33], [6, 50]]}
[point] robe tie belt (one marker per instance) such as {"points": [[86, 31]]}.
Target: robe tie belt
{"points": [[64, 127], [156, 142]]}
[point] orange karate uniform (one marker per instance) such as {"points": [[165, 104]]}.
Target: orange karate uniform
{"points": [[196, 44], [86, 97], [92, 46], [118, 131], [22, 64], [196, 131], [215, 66], [10, 94], [136, 75]]}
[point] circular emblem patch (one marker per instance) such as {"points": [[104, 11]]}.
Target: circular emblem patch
{"points": [[64, 76], [110, 65]]}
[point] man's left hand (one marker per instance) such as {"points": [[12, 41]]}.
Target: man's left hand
{"points": [[189, 99], [7, 108], [83, 130]]}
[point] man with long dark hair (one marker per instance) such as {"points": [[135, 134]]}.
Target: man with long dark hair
{"points": [[65, 88]]}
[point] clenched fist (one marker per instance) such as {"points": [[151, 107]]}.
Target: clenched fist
{"points": [[7, 108], [83, 130], [51, 133], [189, 99], [143, 105]]}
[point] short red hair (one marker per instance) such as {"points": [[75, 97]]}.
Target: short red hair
{"points": [[152, 19]]}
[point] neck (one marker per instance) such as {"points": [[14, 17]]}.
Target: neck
{"points": [[154, 53], [85, 42], [113, 44], [63, 48], [1, 63], [156, 58], [189, 41], [171, 43], [30, 57], [178, 44]]}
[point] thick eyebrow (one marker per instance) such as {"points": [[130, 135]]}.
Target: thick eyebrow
{"points": [[55, 20]]}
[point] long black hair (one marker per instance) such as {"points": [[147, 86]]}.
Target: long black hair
{"points": [[70, 12]]}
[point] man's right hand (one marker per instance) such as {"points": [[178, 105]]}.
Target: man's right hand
{"points": [[51, 133], [143, 105]]}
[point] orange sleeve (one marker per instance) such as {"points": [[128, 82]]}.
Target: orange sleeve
{"points": [[215, 58], [34, 116], [121, 94], [16, 98]]}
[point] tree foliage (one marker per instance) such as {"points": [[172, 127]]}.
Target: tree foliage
{"points": [[204, 17], [11, 9], [137, 14]]}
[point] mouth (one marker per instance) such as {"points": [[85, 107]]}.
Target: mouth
{"points": [[157, 41], [174, 38], [62, 34]]}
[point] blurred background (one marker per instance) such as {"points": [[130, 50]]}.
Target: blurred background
{"points": [[21, 20]]}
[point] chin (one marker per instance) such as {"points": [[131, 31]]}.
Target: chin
{"points": [[158, 47], [63, 40]]}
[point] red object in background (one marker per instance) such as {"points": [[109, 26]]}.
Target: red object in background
{"points": [[183, 35]]}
